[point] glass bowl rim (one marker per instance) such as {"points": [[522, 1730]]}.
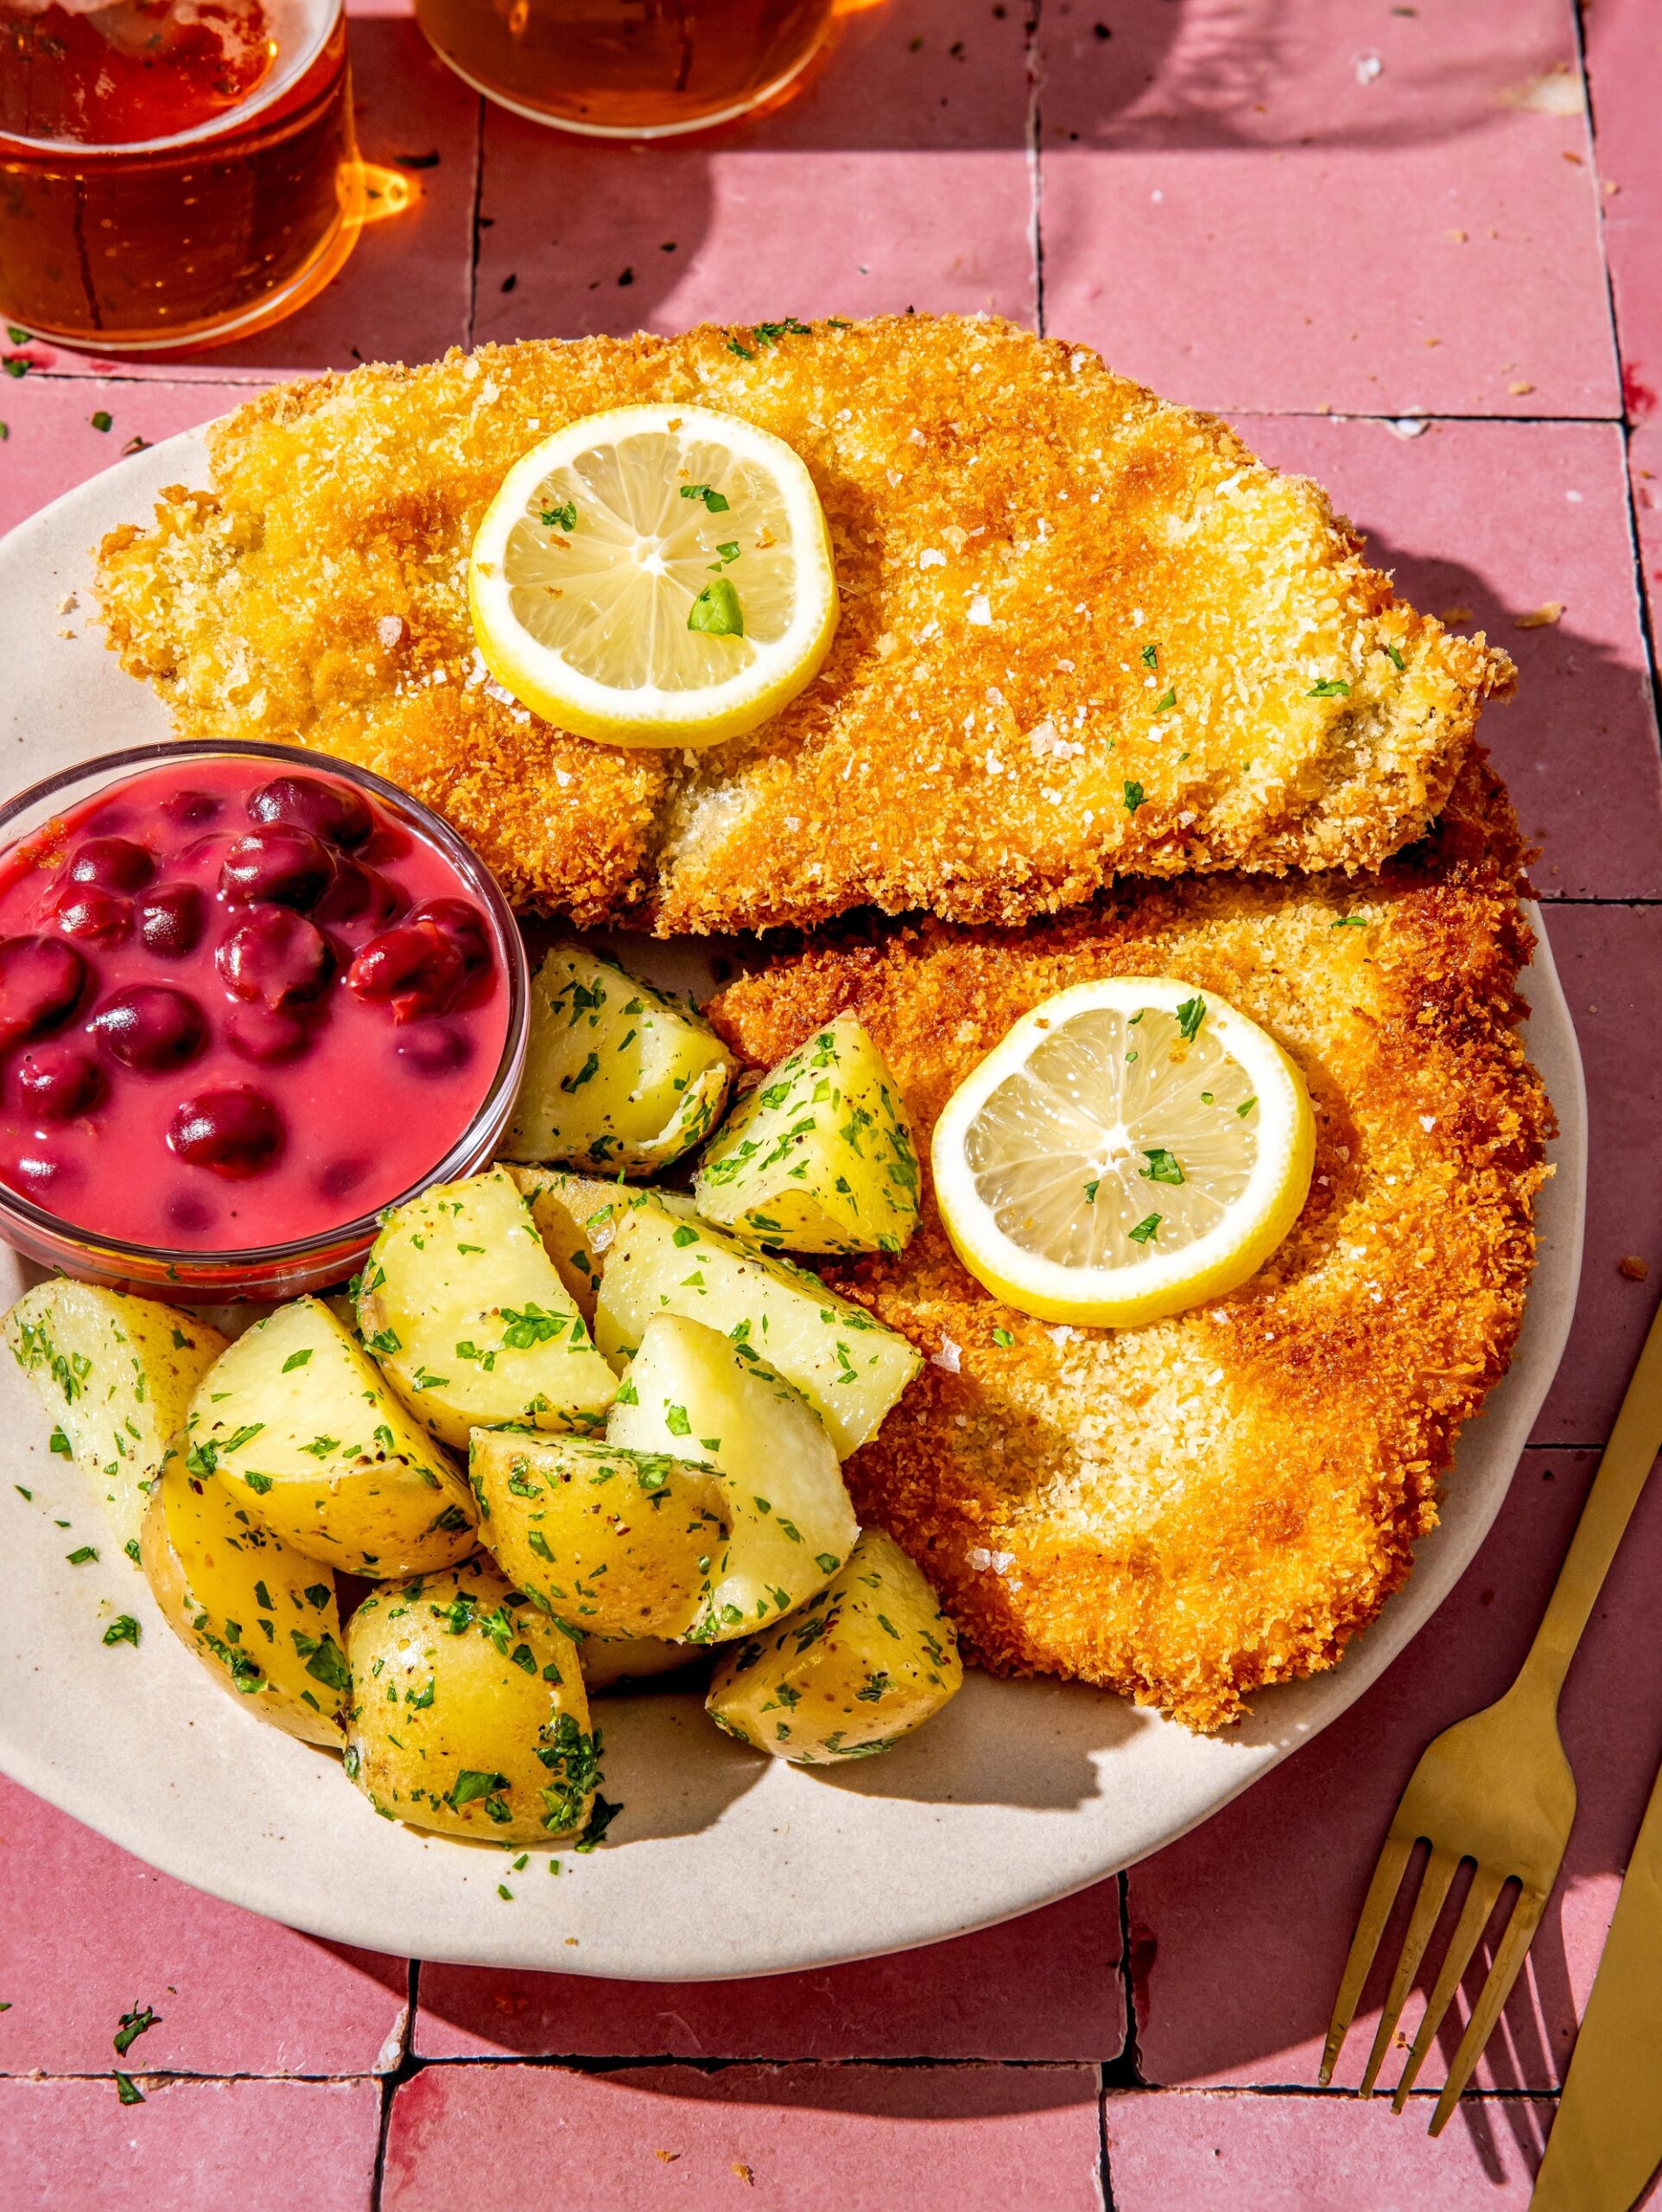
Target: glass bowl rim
{"points": [[362, 1228]]}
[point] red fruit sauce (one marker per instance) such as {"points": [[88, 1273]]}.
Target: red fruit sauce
{"points": [[237, 1009]]}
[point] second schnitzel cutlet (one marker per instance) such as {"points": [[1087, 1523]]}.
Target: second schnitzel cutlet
{"points": [[1083, 633], [1188, 1511]]}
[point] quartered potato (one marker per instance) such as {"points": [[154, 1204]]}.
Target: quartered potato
{"points": [[688, 1391], [116, 1374], [467, 1710], [463, 1308], [299, 1425], [618, 1075], [618, 1661], [865, 1661], [611, 1542], [849, 1368], [819, 1157], [577, 1216], [262, 1617]]}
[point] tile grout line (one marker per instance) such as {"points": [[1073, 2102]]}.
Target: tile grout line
{"points": [[474, 225], [1646, 627], [393, 2078], [1035, 150]]}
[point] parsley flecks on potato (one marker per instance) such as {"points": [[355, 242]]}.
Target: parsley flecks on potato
{"points": [[576, 1216], [849, 1368], [467, 1710], [261, 1617], [298, 1423], [688, 1389], [611, 1542], [619, 1076], [465, 1311], [868, 1660], [819, 1157], [116, 1374]]}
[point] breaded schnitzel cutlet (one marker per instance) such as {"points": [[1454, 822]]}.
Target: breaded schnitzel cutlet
{"points": [[1082, 633], [1187, 1511]]}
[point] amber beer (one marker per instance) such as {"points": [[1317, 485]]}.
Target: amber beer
{"points": [[171, 171], [627, 68]]}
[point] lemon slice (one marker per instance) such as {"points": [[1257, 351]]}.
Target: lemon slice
{"points": [[655, 575], [1132, 1146]]}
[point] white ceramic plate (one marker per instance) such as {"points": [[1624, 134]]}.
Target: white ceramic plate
{"points": [[721, 1864]]}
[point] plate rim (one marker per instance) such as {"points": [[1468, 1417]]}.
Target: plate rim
{"points": [[252, 1879]]}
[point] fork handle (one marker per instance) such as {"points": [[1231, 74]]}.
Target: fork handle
{"points": [[1628, 1457]]}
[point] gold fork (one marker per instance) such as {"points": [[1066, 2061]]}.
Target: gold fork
{"points": [[1496, 1789]]}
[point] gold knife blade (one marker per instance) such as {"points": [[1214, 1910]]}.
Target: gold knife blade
{"points": [[1606, 2141]]}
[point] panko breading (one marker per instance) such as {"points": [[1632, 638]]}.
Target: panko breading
{"points": [[1083, 633], [1188, 1511]]}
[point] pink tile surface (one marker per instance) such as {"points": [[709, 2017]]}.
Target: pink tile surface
{"points": [[818, 2138], [51, 444], [1047, 1987], [1621, 70], [1239, 1932], [90, 1933], [191, 2146], [897, 178], [1496, 520], [1609, 959], [1259, 205], [1212, 2154]]}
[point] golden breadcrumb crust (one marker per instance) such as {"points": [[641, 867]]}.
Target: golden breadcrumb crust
{"points": [[1187, 1511], [1083, 633]]}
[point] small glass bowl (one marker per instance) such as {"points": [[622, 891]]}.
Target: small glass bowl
{"points": [[268, 1271]]}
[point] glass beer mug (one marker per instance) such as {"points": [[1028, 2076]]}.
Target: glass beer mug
{"points": [[627, 68]]}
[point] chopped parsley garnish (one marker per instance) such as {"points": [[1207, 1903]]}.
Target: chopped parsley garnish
{"points": [[1003, 1337], [1243, 1111], [1151, 656], [599, 1820], [1350, 922], [714, 503], [296, 1359], [127, 2089], [60, 1443], [133, 2022], [716, 611], [1331, 687], [1165, 705], [470, 1783], [1091, 1190], [1144, 1229], [123, 1630], [1133, 797], [1190, 1014], [1396, 656], [80, 1557], [564, 516], [1162, 1166]]}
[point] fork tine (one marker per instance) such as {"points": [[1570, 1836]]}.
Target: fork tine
{"points": [[1509, 1958], [1486, 1885], [1370, 1926], [1434, 1883]]}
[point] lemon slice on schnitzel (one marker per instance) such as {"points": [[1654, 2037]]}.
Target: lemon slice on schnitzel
{"points": [[655, 575], [1132, 1146]]}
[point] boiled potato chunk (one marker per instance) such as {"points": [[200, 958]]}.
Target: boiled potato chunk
{"points": [[618, 1075], [262, 1619], [849, 1368], [611, 1542], [462, 1306], [792, 1526], [819, 1157], [863, 1663], [577, 1218], [468, 1713], [116, 1374], [297, 1422], [618, 1661]]}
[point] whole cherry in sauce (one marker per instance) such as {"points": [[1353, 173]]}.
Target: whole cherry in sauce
{"points": [[191, 810], [59, 1081], [100, 917], [41, 980], [462, 923], [279, 866], [231, 1128], [360, 893], [265, 1037], [276, 958], [332, 811], [150, 1026], [413, 969], [112, 863], [171, 919]]}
